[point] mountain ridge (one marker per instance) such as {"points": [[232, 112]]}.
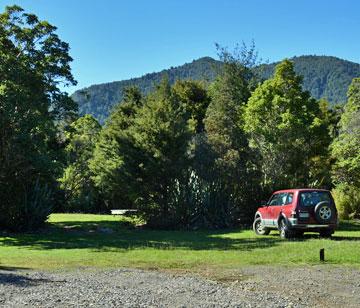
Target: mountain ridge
{"points": [[323, 76]]}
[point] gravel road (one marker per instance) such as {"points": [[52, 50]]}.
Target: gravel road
{"points": [[257, 286]]}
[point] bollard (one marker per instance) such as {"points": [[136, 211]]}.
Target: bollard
{"points": [[322, 254]]}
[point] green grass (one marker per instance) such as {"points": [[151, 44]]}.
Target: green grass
{"points": [[73, 240]]}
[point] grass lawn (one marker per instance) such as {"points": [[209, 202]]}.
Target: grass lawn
{"points": [[74, 240]]}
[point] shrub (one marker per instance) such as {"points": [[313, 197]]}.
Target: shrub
{"points": [[29, 209], [38, 206], [347, 199]]}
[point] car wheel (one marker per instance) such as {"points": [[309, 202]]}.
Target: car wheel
{"points": [[285, 233], [326, 233], [258, 227]]}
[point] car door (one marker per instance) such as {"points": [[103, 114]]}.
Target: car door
{"points": [[277, 208], [274, 208], [266, 211]]}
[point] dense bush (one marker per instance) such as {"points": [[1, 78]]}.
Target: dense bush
{"points": [[347, 199], [30, 209], [37, 208]]}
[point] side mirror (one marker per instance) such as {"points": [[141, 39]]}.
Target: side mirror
{"points": [[264, 203]]}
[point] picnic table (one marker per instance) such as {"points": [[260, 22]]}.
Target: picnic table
{"points": [[123, 211]]}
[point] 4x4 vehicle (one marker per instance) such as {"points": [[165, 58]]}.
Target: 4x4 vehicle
{"points": [[295, 211]]}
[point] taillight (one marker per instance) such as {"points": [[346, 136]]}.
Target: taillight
{"points": [[293, 214]]}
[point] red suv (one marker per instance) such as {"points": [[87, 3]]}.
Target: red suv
{"points": [[295, 211]]}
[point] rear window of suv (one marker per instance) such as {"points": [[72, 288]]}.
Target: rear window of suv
{"points": [[311, 198]]}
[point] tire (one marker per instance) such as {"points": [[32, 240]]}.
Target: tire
{"points": [[326, 233], [258, 228], [285, 232], [324, 212]]}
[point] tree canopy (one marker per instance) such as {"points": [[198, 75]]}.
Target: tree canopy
{"points": [[33, 64], [346, 147], [285, 127]]}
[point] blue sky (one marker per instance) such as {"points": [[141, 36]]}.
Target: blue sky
{"points": [[119, 39]]}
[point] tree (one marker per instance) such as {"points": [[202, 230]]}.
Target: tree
{"points": [[143, 155], [113, 177], [34, 62], [161, 136], [233, 161], [346, 147], [194, 96], [321, 161], [346, 152], [287, 128], [76, 181]]}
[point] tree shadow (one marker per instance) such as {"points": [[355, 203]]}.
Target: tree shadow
{"points": [[9, 277], [120, 236], [309, 236], [110, 235], [345, 238], [12, 268], [347, 225], [92, 226]]}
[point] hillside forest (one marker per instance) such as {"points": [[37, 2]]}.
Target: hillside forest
{"points": [[323, 76], [186, 154]]}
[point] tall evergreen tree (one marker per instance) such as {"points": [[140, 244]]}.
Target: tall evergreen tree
{"points": [[76, 181], [346, 147], [161, 135], [286, 128], [233, 161], [111, 171], [346, 153]]}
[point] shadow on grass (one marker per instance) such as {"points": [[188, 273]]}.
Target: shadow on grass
{"points": [[345, 238], [350, 225], [122, 236], [334, 237], [12, 268], [110, 235]]}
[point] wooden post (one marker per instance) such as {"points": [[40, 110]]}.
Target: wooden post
{"points": [[322, 254]]}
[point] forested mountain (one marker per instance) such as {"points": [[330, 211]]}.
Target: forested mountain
{"points": [[324, 76], [98, 100]]}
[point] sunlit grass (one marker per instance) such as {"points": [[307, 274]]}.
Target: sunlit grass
{"points": [[73, 240]]}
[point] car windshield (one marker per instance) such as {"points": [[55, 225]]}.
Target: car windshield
{"points": [[311, 198]]}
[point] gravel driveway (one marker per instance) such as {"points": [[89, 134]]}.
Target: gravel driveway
{"points": [[257, 286]]}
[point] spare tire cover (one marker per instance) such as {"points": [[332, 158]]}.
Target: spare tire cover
{"points": [[324, 212]]}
